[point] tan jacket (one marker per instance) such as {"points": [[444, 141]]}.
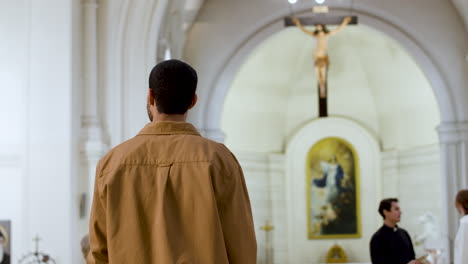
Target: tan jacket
{"points": [[169, 196]]}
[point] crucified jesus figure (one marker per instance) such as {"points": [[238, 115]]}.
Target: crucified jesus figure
{"points": [[322, 62]]}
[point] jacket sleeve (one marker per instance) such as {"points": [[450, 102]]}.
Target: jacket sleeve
{"points": [[98, 253], [236, 220]]}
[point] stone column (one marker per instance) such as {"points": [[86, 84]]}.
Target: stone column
{"points": [[92, 142], [454, 165]]}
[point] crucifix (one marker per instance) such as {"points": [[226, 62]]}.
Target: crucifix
{"points": [[322, 34]]}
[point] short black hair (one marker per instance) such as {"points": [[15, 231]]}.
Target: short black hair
{"points": [[386, 204], [174, 83]]}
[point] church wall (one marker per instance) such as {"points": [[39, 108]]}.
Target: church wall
{"points": [[256, 172], [52, 144], [265, 179], [38, 145], [13, 29]]}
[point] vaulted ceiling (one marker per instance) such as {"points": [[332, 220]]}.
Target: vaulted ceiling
{"points": [[462, 7], [192, 7], [372, 80]]}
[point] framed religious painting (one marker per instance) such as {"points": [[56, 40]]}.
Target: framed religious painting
{"points": [[5, 242], [333, 194]]}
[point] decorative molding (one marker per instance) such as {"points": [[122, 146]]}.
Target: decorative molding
{"points": [[90, 123], [419, 156], [390, 160], [253, 161], [92, 143], [277, 163], [262, 162], [453, 132]]}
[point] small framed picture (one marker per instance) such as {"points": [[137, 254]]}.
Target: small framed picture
{"points": [[5, 242]]}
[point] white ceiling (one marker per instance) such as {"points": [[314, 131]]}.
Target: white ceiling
{"points": [[372, 80]]}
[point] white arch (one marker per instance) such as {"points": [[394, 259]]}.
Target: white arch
{"points": [[373, 18], [134, 30]]}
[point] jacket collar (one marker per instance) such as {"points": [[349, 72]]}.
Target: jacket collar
{"points": [[169, 128]]}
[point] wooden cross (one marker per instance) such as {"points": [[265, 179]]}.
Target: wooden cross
{"points": [[322, 63]]}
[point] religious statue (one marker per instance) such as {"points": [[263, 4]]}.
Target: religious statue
{"points": [[322, 61], [430, 238]]}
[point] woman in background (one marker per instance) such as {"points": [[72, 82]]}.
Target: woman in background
{"points": [[461, 240]]}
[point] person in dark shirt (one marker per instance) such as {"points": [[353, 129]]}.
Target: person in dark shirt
{"points": [[391, 244]]}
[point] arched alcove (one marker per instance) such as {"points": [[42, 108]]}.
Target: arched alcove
{"points": [[221, 65], [372, 80]]}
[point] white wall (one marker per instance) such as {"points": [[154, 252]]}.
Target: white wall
{"points": [[38, 139], [13, 82]]}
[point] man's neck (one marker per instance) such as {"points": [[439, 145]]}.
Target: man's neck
{"points": [[389, 223], [171, 118]]}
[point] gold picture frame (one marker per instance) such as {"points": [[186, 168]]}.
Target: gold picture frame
{"points": [[333, 190]]}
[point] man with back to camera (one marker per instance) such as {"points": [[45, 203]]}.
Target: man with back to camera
{"points": [[169, 195], [391, 244]]}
